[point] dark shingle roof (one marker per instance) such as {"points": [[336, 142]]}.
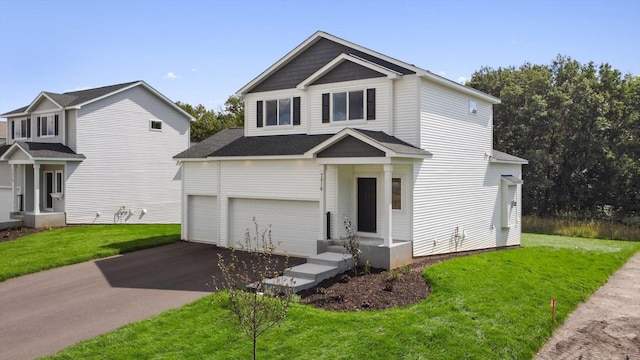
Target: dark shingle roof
{"points": [[231, 142], [72, 98], [501, 156], [45, 150], [392, 142], [296, 144], [211, 144]]}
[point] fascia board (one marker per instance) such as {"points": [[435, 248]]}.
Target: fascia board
{"points": [[464, 89]]}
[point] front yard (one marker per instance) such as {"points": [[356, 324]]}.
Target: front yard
{"points": [[489, 306], [64, 246]]}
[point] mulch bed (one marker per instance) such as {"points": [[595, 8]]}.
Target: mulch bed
{"points": [[16, 232], [371, 291]]}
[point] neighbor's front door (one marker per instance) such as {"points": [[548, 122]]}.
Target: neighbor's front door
{"points": [[367, 205], [48, 189]]}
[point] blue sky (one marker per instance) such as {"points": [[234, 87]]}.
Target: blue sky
{"points": [[198, 51]]}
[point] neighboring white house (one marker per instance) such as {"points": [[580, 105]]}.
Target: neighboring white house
{"points": [[336, 131], [100, 155]]}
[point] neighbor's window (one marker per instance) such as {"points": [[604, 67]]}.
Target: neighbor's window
{"points": [[20, 128], [58, 182], [473, 107], [155, 125], [349, 105], [396, 194], [46, 125]]}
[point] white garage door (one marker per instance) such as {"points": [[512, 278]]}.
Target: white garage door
{"points": [[294, 224], [203, 219]]}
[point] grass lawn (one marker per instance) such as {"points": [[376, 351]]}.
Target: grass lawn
{"points": [[64, 246], [488, 306]]}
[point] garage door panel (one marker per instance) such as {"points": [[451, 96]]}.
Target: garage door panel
{"points": [[293, 223], [203, 219]]}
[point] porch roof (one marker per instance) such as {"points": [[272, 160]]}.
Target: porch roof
{"points": [[40, 151], [233, 143]]}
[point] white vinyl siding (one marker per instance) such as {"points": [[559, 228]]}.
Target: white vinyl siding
{"points": [[126, 164], [406, 112], [70, 128], [455, 188], [202, 219], [293, 223]]}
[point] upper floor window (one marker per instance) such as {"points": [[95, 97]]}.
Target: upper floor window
{"points": [[473, 107], [21, 128], [278, 112], [155, 125], [349, 105], [48, 125]]}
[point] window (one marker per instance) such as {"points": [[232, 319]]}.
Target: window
{"points": [[278, 112], [155, 125], [21, 128], [396, 193], [48, 125], [349, 105], [473, 107], [59, 187]]}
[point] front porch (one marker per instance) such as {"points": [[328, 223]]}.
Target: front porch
{"points": [[373, 250], [39, 220]]}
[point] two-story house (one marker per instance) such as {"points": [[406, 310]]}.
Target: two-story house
{"points": [[337, 132], [100, 155]]}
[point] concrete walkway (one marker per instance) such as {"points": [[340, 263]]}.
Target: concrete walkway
{"points": [[43, 313], [606, 326]]}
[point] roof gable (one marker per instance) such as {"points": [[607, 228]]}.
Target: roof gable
{"points": [[350, 147], [77, 99], [38, 151], [314, 53]]}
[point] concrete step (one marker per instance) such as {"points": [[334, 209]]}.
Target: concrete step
{"points": [[311, 271], [298, 284], [337, 249], [342, 261]]}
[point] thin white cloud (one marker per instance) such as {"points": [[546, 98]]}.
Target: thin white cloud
{"points": [[172, 76], [462, 79]]}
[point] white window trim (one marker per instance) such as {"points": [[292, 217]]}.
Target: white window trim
{"points": [[277, 125], [18, 125], [56, 183], [53, 125], [152, 121], [363, 120]]}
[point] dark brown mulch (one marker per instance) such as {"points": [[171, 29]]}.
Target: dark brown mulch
{"points": [[370, 291], [16, 232]]}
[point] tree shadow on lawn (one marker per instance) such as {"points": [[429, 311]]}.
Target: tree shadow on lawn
{"points": [[182, 266]]}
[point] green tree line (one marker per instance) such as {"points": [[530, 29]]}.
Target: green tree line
{"points": [[579, 127], [209, 122]]}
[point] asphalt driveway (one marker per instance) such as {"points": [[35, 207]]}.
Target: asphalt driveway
{"points": [[43, 313]]}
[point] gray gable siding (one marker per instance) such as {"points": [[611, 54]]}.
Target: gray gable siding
{"points": [[350, 147], [311, 60], [347, 71]]}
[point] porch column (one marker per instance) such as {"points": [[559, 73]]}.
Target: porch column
{"points": [[388, 213], [14, 195], [36, 188]]}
